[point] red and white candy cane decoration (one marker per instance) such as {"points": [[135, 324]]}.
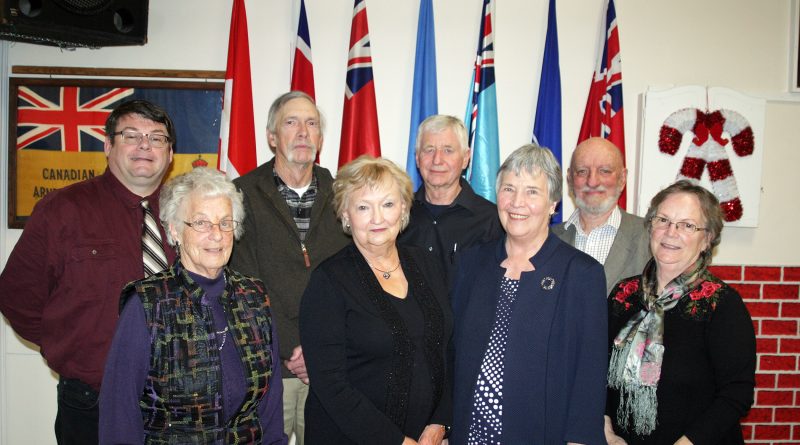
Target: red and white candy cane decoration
{"points": [[708, 150]]}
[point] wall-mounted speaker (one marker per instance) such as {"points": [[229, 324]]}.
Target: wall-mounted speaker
{"points": [[74, 23]]}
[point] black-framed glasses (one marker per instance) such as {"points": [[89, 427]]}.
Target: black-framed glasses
{"points": [[205, 226], [661, 223], [156, 140]]}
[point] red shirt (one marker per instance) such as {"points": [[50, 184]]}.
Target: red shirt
{"points": [[61, 286]]}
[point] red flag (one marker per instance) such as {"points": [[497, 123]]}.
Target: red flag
{"points": [[237, 135], [603, 116], [303, 67], [360, 118]]}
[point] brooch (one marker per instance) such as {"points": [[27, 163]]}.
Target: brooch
{"points": [[548, 283]]}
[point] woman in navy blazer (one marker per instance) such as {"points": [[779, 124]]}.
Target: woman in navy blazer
{"points": [[530, 323]]}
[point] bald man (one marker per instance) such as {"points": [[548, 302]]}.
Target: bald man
{"points": [[598, 227]]}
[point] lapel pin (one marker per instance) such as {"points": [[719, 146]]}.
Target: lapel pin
{"points": [[548, 283]]}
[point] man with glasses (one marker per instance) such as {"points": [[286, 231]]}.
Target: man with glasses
{"points": [[60, 288], [290, 227], [598, 227]]}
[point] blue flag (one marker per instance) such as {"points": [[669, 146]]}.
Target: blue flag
{"points": [[424, 101], [547, 123], [481, 116]]}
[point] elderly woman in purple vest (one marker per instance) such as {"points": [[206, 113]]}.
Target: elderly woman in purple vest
{"points": [[194, 358]]}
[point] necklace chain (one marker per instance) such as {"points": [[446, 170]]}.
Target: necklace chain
{"points": [[224, 334], [386, 273]]}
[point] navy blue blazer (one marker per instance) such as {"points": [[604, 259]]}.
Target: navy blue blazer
{"points": [[556, 356]]}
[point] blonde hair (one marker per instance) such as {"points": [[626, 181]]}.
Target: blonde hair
{"points": [[366, 171]]}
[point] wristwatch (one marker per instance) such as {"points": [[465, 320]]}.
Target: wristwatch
{"points": [[446, 429]]}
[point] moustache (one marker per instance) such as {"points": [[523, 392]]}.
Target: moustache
{"points": [[599, 188]]}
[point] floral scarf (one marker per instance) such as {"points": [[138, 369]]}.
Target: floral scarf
{"points": [[638, 350]]}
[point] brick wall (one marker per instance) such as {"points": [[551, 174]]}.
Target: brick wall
{"points": [[773, 298]]}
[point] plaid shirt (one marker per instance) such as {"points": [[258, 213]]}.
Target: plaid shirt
{"points": [[596, 243], [299, 206]]}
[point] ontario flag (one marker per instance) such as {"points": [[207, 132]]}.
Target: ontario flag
{"points": [[237, 136], [360, 117], [481, 113], [302, 67], [603, 116]]}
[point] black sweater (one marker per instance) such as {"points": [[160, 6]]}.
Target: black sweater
{"points": [[708, 370], [358, 351]]}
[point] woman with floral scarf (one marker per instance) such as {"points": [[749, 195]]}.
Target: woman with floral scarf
{"points": [[682, 346]]}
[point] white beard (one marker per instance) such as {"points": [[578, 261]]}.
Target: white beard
{"points": [[598, 209]]}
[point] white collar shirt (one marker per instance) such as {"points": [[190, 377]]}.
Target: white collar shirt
{"points": [[596, 243]]}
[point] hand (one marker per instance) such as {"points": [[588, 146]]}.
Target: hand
{"points": [[409, 441], [684, 441], [611, 437], [432, 435], [297, 364]]}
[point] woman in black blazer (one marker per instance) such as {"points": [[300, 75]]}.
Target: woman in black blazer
{"points": [[375, 323]]}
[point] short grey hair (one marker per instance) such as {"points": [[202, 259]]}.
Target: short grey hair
{"points": [[283, 99], [201, 182], [441, 122], [534, 159], [709, 208]]}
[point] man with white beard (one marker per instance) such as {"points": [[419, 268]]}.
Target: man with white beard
{"points": [[598, 227]]}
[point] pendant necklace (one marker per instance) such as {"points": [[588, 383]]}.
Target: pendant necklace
{"points": [[386, 273]]}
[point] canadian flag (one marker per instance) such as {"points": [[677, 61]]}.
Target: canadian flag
{"points": [[237, 136]]}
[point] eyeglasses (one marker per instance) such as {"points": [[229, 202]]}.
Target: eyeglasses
{"points": [[135, 138], [205, 226], [687, 228]]}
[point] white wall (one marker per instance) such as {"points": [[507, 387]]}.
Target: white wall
{"points": [[740, 44]]}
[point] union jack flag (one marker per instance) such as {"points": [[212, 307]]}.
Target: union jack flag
{"points": [[64, 119], [604, 116], [481, 120], [360, 118]]}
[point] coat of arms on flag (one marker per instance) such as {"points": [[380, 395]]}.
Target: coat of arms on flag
{"points": [[360, 116], [57, 130], [603, 116]]}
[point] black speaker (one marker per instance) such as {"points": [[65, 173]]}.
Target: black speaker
{"points": [[75, 23]]}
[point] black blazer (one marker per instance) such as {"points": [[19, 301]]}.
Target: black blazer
{"points": [[358, 354]]}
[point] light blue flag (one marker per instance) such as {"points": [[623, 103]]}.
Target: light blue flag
{"points": [[481, 116], [424, 100], [547, 123]]}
